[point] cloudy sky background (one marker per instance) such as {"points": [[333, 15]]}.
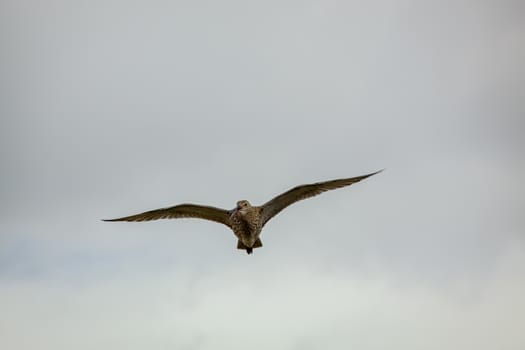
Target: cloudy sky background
{"points": [[109, 108]]}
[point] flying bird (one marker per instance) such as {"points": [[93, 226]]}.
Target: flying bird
{"points": [[246, 221]]}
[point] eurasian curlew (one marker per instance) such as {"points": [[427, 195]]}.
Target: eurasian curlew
{"points": [[246, 221]]}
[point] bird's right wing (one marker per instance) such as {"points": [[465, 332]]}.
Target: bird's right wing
{"points": [[274, 206], [182, 211]]}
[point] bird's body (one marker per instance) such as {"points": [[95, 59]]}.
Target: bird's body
{"points": [[247, 225], [246, 221]]}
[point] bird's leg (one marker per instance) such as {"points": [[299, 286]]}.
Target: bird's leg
{"points": [[249, 250]]}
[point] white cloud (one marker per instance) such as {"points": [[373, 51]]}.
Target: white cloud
{"points": [[274, 307]]}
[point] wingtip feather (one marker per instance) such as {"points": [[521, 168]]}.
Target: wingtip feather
{"points": [[376, 172]]}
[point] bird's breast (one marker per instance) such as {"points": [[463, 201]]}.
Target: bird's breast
{"points": [[246, 222]]}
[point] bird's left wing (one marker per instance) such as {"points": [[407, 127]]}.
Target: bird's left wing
{"points": [[182, 211], [274, 206]]}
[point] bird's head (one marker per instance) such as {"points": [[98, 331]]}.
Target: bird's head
{"points": [[243, 204]]}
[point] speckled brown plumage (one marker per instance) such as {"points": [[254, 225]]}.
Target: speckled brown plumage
{"points": [[246, 221]]}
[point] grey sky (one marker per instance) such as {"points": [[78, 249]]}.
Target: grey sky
{"points": [[110, 108]]}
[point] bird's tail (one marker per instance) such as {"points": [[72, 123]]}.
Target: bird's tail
{"points": [[249, 250]]}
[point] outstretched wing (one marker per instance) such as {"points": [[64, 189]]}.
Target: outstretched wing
{"points": [[274, 206], [182, 211]]}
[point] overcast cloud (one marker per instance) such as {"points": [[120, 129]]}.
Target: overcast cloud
{"points": [[110, 108]]}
